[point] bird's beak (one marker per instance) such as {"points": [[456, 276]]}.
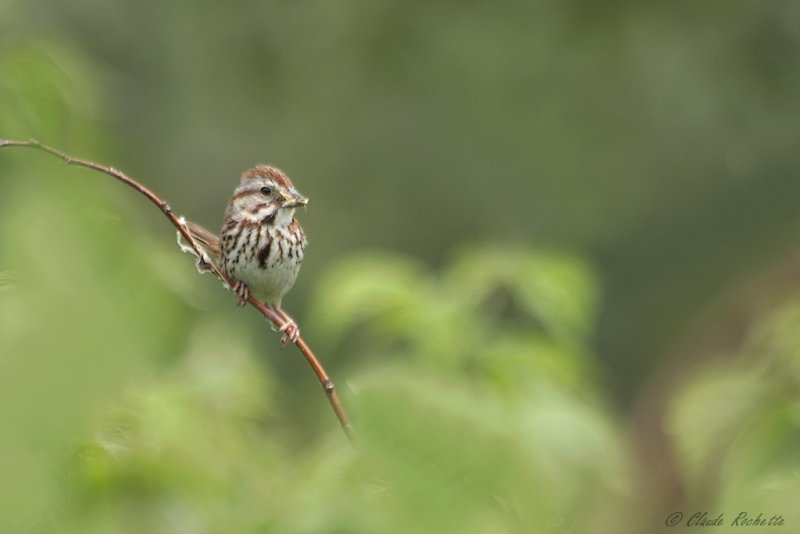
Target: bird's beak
{"points": [[294, 199]]}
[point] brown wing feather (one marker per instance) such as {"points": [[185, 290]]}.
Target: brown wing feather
{"points": [[206, 239]]}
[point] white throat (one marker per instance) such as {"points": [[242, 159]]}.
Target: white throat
{"points": [[284, 217]]}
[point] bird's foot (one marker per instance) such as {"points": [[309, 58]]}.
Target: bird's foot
{"points": [[291, 332]]}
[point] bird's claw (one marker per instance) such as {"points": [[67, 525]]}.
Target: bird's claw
{"points": [[291, 332]]}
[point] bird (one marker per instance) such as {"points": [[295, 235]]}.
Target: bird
{"points": [[261, 245]]}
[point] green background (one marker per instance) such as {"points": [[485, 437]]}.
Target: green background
{"points": [[552, 266]]}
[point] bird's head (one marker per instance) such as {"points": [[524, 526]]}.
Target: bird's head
{"points": [[266, 194]]}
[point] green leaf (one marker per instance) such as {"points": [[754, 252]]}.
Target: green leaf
{"points": [[366, 287], [712, 411], [557, 289], [459, 458]]}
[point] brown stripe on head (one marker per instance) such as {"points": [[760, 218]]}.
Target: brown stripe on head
{"points": [[267, 171]]}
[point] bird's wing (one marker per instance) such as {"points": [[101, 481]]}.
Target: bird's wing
{"points": [[206, 240]]}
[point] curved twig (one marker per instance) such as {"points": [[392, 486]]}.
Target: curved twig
{"points": [[180, 225]]}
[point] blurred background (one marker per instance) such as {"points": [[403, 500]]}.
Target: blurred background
{"points": [[553, 266]]}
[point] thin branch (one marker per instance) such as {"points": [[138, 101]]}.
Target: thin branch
{"points": [[180, 225]]}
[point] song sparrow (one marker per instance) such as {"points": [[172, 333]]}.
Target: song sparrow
{"points": [[260, 247]]}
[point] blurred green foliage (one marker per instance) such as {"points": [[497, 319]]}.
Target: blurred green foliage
{"points": [[475, 400], [473, 397], [736, 423], [516, 211]]}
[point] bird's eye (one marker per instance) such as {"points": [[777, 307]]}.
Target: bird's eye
{"points": [[266, 191]]}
